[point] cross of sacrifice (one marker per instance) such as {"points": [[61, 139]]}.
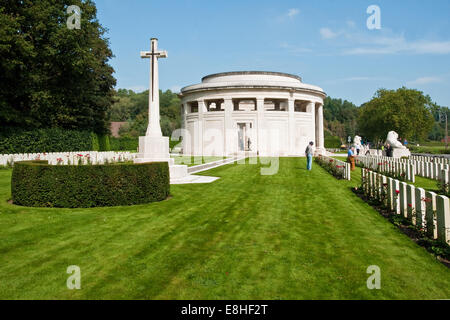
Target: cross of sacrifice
{"points": [[154, 127]]}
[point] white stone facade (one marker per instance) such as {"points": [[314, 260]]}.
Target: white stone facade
{"points": [[255, 112]]}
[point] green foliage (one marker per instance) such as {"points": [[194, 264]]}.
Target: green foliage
{"points": [[104, 144], [46, 140], [127, 143], [133, 107], [340, 117], [37, 184], [124, 143], [332, 141], [52, 76], [95, 142], [331, 166], [425, 149], [438, 131], [406, 111], [436, 247]]}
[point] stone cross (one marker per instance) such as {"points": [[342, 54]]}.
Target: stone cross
{"points": [[154, 127]]}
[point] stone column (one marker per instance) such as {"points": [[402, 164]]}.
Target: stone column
{"points": [[228, 126], [291, 131], [201, 110], [312, 110], [321, 142], [184, 112], [260, 124]]}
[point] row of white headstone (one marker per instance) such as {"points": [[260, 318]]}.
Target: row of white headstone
{"points": [[431, 168], [444, 180], [390, 166], [342, 167], [425, 209], [69, 158], [431, 159]]}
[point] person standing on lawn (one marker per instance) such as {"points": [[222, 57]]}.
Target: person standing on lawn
{"points": [[351, 158], [389, 150], [309, 154]]}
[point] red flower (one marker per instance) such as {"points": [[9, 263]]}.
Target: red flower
{"points": [[427, 200], [397, 191], [410, 205]]}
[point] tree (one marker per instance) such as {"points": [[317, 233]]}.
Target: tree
{"points": [[439, 113], [406, 111], [134, 108], [51, 76], [340, 117]]}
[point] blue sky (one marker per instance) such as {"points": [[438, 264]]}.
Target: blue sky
{"points": [[326, 42]]}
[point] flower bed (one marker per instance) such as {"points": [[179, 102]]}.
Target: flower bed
{"points": [[337, 168], [422, 215]]}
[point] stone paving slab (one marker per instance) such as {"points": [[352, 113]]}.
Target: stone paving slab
{"points": [[194, 179], [191, 178]]}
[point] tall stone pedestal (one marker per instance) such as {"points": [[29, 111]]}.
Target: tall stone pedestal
{"points": [[156, 149], [398, 153]]}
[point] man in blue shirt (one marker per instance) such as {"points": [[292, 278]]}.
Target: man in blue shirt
{"points": [[351, 157], [350, 152], [309, 154]]}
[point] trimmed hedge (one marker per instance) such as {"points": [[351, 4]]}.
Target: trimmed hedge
{"points": [[124, 143], [37, 184], [104, 144], [332, 142], [131, 143], [13, 140]]}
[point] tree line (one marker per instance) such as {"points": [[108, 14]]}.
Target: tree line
{"points": [[51, 76], [55, 77], [133, 108], [409, 112]]}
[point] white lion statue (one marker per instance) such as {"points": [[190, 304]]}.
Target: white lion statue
{"points": [[357, 141], [392, 139]]}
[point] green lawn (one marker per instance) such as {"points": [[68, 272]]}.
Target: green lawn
{"points": [[294, 235]]}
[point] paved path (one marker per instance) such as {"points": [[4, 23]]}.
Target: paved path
{"points": [[191, 178]]}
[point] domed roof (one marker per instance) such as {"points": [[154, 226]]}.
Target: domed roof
{"points": [[251, 79]]}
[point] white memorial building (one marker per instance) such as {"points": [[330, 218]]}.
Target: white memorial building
{"points": [[254, 112]]}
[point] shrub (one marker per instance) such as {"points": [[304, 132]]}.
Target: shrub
{"points": [[331, 165], [13, 140], [37, 184], [131, 143], [103, 141], [124, 143], [332, 142], [95, 143]]}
